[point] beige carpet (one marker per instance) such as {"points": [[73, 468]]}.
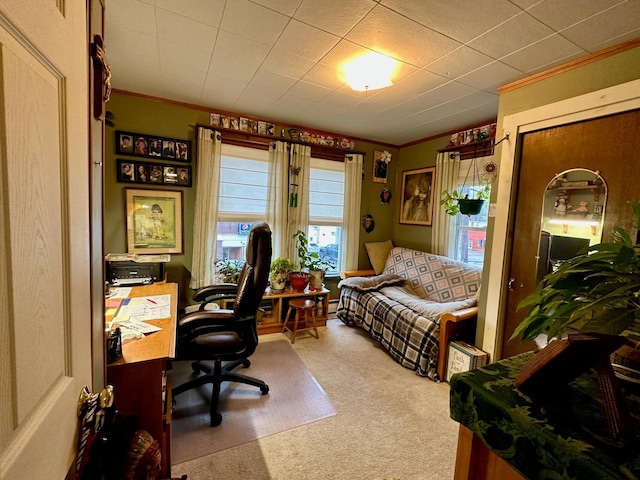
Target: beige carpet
{"points": [[390, 422], [294, 399]]}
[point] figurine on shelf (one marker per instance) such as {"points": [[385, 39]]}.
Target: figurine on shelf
{"points": [[582, 208], [562, 204]]}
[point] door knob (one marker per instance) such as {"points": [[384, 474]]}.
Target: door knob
{"points": [[512, 280]]}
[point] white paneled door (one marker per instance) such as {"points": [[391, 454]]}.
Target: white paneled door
{"points": [[45, 301]]}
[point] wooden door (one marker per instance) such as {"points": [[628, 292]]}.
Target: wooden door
{"points": [[609, 144], [45, 300]]}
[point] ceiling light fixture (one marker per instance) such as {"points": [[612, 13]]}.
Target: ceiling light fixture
{"points": [[369, 72]]}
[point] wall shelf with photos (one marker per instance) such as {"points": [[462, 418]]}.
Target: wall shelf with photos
{"points": [[152, 146], [149, 173], [257, 140]]}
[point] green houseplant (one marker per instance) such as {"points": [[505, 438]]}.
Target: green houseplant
{"points": [[597, 291], [228, 270], [458, 202], [312, 262], [279, 273]]}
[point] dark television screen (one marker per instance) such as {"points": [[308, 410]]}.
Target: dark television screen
{"points": [[564, 248]]}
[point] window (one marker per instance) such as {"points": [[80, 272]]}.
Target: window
{"points": [[326, 207], [471, 231], [244, 178]]}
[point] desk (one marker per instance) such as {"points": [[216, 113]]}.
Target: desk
{"points": [[139, 377], [567, 439], [272, 323]]}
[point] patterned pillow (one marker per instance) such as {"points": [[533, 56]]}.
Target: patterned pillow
{"points": [[371, 284]]}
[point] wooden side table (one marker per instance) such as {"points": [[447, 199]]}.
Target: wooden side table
{"points": [[273, 321], [306, 307]]}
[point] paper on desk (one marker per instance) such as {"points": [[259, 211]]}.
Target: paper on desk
{"points": [[139, 327], [120, 292], [142, 309]]}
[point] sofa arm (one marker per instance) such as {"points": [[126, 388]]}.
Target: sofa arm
{"points": [[356, 273], [460, 324]]}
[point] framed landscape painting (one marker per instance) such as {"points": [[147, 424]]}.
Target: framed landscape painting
{"points": [[417, 196], [154, 221]]}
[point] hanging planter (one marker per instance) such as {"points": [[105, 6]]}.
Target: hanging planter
{"points": [[470, 206]]}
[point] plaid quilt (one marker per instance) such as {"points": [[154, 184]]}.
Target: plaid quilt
{"points": [[411, 338]]}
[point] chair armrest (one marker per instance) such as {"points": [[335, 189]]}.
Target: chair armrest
{"points": [[453, 326], [357, 273], [203, 294]]}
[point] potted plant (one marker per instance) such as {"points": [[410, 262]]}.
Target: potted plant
{"points": [[279, 273], [228, 270], [597, 291], [310, 261], [458, 202]]}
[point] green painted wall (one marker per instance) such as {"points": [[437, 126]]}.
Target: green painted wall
{"points": [[138, 115]]}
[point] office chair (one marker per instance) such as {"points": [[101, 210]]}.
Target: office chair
{"points": [[227, 335]]}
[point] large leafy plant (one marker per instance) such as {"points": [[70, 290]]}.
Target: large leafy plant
{"points": [[309, 260], [596, 291]]}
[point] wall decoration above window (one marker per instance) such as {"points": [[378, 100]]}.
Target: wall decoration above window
{"points": [[478, 134], [152, 146], [153, 173], [381, 162], [243, 124]]}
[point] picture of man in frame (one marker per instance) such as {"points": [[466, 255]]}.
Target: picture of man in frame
{"points": [[169, 149], [126, 145], [156, 174], [155, 147], [183, 176]]}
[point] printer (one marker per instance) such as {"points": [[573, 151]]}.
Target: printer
{"points": [[128, 272]]}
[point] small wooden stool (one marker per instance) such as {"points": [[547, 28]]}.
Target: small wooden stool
{"points": [[307, 306]]}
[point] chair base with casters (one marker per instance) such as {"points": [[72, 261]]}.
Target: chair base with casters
{"points": [[216, 374]]}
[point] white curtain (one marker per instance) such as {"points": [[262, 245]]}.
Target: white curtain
{"points": [[278, 197], [299, 170], [350, 245], [447, 172], [205, 222]]}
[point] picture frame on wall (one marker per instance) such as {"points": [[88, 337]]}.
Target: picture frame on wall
{"points": [[416, 207], [143, 145], [153, 221], [381, 162], [151, 173]]}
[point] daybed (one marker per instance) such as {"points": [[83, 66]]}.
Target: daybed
{"points": [[414, 307]]}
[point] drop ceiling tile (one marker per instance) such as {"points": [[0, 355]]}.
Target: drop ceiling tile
{"points": [[490, 76], [309, 90], [446, 92], [272, 81], [185, 87], [134, 15], [439, 111], [184, 31], [255, 99], [286, 64], [514, 34], [334, 16], [208, 12], [285, 7], [544, 54], [306, 41], [226, 62], [391, 34], [461, 20], [224, 90], [253, 21], [183, 59], [131, 44], [560, 14], [459, 62], [343, 52], [341, 100], [324, 76], [410, 87], [615, 25], [478, 99]]}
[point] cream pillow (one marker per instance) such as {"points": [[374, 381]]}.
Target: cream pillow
{"points": [[378, 253]]}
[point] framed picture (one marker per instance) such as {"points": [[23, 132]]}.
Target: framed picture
{"points": [[142, 145], [154, 220], [145, 172], [381, 162], [416, 206]]}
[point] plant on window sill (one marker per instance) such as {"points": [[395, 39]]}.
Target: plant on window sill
{"points": [[311, 261]]}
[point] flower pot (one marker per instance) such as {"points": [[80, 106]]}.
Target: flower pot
{"points": [[299, 280], [278, 281], [317, 277], [470, 206]]}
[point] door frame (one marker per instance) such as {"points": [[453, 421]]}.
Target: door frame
{"points": [[607, 101]]}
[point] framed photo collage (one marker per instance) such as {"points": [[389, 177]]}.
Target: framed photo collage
{"points": [[153, 148]]}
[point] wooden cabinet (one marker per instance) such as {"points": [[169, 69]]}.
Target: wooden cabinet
{"points": [[139, 378], [276, 305]]}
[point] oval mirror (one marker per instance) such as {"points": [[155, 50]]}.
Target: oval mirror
{"points": [[572, 216]]}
